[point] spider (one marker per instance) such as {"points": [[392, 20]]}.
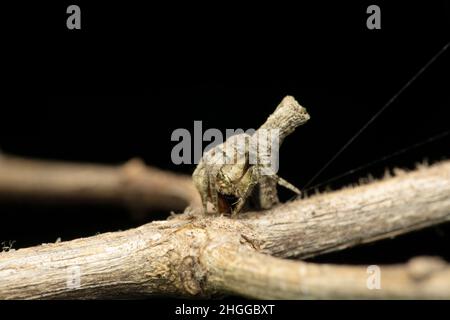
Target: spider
{"points": [[237, 172]]}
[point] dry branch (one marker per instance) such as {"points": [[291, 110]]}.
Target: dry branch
{"points": [[245, 272], [337, 220], [193, 255], [133, 184]]}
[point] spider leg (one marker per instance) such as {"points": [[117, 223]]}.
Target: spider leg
{"points": [[287, 185], [212, 178]]}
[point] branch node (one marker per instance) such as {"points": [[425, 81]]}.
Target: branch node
{"points": [[191, 275]]}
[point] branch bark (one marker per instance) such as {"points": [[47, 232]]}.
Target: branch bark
{"points": [[255, 275], [193, 255], [338, 220]]}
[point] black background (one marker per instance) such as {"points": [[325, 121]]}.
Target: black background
{"points": [[117, 89]]}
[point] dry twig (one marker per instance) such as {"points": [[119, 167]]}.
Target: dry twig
{"points": [[133, 184]]}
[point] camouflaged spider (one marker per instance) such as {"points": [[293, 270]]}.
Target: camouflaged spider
{"points": [[236, 171]]}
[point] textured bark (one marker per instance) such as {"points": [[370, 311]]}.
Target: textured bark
{"points": [[193, 255], [240, 271]]}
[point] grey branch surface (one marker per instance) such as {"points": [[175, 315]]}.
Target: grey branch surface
{"points": [[199, 255], [132, 184], [193, 255]]}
